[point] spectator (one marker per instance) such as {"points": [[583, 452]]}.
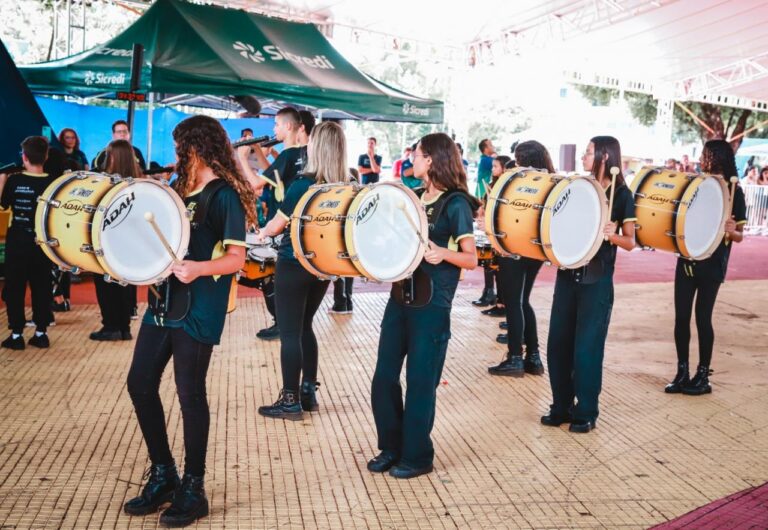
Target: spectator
{"points": [[406, 172], [484, 167], [71, 143], [464, 161], [120, 131], [398, 165], [671, 163], [369, 163]]}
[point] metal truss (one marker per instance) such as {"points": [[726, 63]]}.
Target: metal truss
{"points": [[720, 80], [538, 28]]}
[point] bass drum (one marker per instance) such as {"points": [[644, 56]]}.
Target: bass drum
{"points": [[550, 218], [351, 230], [684, 213], [93, 222]]}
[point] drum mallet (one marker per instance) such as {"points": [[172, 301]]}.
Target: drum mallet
{"points": [[733, 181], [614, 171], [401, 206], [150, 218]]}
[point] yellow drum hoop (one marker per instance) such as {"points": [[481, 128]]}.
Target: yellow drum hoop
{"points": [[41, 215], [354, 207], [546, 220], [98, 219]]}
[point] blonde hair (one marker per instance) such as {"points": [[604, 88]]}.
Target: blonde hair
{"points": [[327, 153]]}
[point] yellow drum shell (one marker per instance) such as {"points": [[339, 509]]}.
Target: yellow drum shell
{"points": [[317, 230], [69, 224], [662, 199], [256, 270], [513, 223]]}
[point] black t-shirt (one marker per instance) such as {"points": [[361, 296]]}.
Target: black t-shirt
{"points": [[288, 165], [453, 225], [77, 160], [364, 161], [224, 225], [100, 161], [603, 263], [716, 266], [298, 188], [20, 195]]}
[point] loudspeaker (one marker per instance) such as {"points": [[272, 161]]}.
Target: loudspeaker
{"points": [[567, 157], [251, 105]]}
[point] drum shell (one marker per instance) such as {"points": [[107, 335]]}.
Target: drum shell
{"points": [[512, 226], [319, 241], [662, 199], [70, 223], [256, 268]]}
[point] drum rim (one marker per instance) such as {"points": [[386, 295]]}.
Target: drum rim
{"points": [[296, 223], [490, 213], [354, 207], [682, 212], [41, 214], [98, 218], [546, 221]]}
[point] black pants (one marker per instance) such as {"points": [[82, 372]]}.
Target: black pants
{"points": [[516, 278], [26, 263], [115, 303], [298, 295], [154, 348], [342, 291], [576, 345], [705, 290], [421, 334], [268, 290]]}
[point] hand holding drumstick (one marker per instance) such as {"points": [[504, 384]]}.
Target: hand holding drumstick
{"points": [[185, 271], [434, 254]]}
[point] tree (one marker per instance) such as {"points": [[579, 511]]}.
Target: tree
{"points": [[724, 122]]}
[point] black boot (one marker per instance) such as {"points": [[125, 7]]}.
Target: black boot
{"points": [[680, 380], [487, 298], [511, 366], [189, 503], [699, 384], [286, 407], [532, 363], [163, 481], [309, 397]]}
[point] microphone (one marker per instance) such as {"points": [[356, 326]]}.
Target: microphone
{"points": [[158, 170], [249, 141], [11, 168], [272, 142]]}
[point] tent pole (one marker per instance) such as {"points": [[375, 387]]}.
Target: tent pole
{"points": [[150, 108]]}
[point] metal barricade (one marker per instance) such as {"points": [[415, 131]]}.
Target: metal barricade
{"points": [[757, 209]]}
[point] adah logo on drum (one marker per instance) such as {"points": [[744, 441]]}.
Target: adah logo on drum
{"points": [[324, 218], [520, 204], [120, 213], [73, 207], [561, 202], [367, 210], [659, 199]]}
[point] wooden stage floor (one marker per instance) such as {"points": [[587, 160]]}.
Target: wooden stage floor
{"points": [[71, 452]]}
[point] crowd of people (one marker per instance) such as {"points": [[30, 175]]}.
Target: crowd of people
{"points": [[233, 190]]}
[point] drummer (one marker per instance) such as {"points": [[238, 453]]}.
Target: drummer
{"points": [[703, 278], [515, 279], [299, 293], [582, 304], [421, 333]]}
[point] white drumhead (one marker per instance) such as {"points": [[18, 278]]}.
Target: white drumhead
{"points": [[262, 254], [575, 221], [131, 247], [703, 218], [385, 242]]}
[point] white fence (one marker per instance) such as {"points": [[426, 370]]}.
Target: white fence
{"points": [[757, 209]]}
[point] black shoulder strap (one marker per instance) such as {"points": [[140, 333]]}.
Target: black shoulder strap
{"points": [[206, 196], [435, 210]]}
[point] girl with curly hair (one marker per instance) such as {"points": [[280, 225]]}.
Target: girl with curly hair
{"points": [[216, 252]]}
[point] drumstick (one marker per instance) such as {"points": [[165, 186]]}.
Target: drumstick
{"points": [[150, 218], [401, 206], [614, 171], [733, 180]]}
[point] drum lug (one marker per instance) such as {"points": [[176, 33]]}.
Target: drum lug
{"points": [[538, 207], [74, 270], [309, 255], [53, 203], [641, 195], [51, 242], [340, 217], [86, 248], [307, 218], [670, 234], [500, 235], [498, 199], [116, 179], [88, 208], [110, 279], [343, 255]]}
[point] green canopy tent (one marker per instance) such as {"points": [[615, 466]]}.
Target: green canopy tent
{"points": [[207, 50]]}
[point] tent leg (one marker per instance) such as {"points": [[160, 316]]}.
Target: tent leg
{"points": [[150, 108]]}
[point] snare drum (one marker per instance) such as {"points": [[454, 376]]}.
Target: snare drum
{"points": [[351, 230], [551, 218], [259, 263], [95, 222], [684, 213]]}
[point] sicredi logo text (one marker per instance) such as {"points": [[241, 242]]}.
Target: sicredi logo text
{"points": [[101, 78], [275, 53]]}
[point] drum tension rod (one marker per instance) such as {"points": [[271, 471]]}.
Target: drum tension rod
{"points": [[499, 199], [307, 218], [310, 255], [670, 234], [50, 242], [500, 235]]}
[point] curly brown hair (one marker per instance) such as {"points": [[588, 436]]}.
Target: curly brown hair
{"points": [[201, 140]]}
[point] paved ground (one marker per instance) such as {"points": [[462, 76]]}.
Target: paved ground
{"points": [[71, 452]]}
